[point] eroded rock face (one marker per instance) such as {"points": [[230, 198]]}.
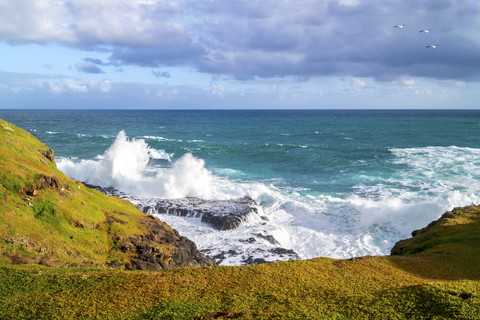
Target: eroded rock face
{"points": [[43, 182], [221, 214], [49, 155], [162, 248], [224, 215]]}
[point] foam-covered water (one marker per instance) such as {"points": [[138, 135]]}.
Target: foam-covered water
{"points": [[327, 183]]}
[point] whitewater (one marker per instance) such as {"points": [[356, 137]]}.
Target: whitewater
{"points": [[326, 183]]}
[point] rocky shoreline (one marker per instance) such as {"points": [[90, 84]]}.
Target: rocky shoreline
{"points": [[221, 215], [47, 218]]}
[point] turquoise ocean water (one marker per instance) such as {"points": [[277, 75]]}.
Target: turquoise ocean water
{"points": [[333, 183]]}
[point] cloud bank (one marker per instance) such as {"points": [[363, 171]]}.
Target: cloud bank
{"points": [[261, 39]]}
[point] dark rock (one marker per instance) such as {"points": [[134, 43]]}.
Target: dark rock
{"points": [[269, 238], [252, 260], [32, 192], [287, 252], [249, 240], [221, 214], [146, 209], [111, 219], [115, 264], [223, 222], [148, 250], [109, 191], [223, 255], [45, 182], [49, 155]]}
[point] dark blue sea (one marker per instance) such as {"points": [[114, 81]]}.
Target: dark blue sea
{"points": [[332, 183]]}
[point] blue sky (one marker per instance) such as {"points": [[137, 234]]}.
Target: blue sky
{"points": [[228, 54]]}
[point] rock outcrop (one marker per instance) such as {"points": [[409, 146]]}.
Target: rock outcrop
{"points": [[47, 218], [221, 214], [460, 225], [147, 254]]}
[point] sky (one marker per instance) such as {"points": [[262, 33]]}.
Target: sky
{"points": [[240, 54]]}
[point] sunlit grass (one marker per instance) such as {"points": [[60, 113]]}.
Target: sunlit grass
{"points": [[437, 275], [66, 224]]}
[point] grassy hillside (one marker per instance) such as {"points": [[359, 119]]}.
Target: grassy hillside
{"points": [[433, 275], [49, 219], [364, 288]]}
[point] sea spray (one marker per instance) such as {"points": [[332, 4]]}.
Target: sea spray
{"points": [[328, 184], [124, 166], [367, 220]]}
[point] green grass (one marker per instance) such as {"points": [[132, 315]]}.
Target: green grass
{"points": [[370, 288], [436, 275], [65, 225]]}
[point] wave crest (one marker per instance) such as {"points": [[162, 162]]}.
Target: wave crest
{"points": [[125, 166]]}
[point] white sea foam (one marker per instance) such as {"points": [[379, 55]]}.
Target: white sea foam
{"points": [[125, 166], [160, 138], [159, 154], [369, 219]]}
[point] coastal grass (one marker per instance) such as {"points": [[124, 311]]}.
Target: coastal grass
{"points": [[434, 275], [362, 288], [61, 222]]}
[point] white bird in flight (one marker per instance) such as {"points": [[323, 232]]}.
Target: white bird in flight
{"points": [[433, 46], [400, 26], [425, 30]]}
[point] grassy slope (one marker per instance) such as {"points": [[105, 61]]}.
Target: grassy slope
{"points": [[437, 278], [62, 224]]}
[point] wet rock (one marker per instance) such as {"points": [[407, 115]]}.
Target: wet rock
{"points": [[109, 191], [269, 238], [285, 252], [249, 240], [224, 255], [252, 260], [221, 214]]}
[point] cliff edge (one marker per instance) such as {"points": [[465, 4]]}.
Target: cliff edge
{"points": [[47, 218], [456, 232]]}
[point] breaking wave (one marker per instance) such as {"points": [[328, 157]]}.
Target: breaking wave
{"points": [[381, 209]]}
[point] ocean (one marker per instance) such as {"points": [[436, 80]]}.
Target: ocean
{"points": [[326, 183]]}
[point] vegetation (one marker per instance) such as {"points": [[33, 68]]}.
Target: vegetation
{"points": [[364, 288], [50, 219], [433, 275]]}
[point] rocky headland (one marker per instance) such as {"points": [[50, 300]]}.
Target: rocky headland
{"points": [[49, 219], [223, 215]]}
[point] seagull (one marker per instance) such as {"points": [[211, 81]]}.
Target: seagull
{"points": [[433, 46], [425, 30], [400, 26]]}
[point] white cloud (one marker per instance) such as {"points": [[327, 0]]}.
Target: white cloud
{"points": [[453, 83], [260, 39], [36, 21], [126, 22], [217, 90], [91, 22], [349, 3], [357, 84], [406, 82], [67, 85], [105, 86]]}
